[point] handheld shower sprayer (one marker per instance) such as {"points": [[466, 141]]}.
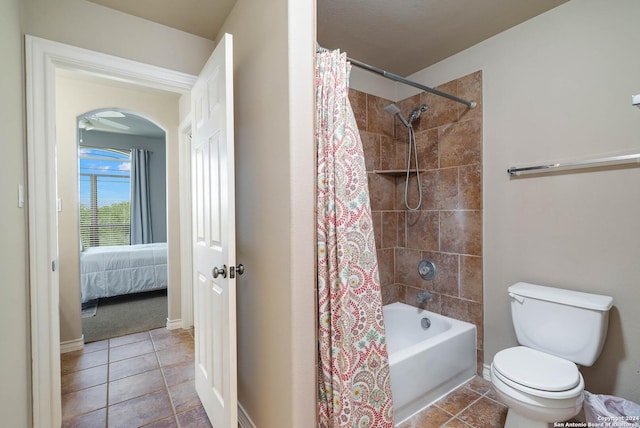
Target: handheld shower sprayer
{"points": [[413, 116], [412, 149], [394, 110]]}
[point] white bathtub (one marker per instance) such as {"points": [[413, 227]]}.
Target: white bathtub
{"points": [[426, 364]]}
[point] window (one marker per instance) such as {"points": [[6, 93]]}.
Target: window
{"points": [[105, 196]]}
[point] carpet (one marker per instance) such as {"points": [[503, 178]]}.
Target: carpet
{"points": [[89, 309], [122, 315]]}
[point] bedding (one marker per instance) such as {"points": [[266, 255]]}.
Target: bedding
{"points": [[122, 269]]}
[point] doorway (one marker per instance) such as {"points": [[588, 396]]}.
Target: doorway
{"points": [[100, 125], [122, 195], [44, 58]]}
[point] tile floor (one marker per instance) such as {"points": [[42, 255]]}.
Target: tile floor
{"points": [[472, 405], [140, 380], [147, 380]]}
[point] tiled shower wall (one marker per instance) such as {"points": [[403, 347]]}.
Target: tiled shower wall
{"points": [[447, 229]]}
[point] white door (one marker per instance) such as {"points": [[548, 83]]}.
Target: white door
{"points": [[214, 257]]}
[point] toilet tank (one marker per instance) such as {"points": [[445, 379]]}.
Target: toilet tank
{"points": [[569, 324]]}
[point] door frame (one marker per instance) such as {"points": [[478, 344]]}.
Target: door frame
{"points": [[186, 258], [42, 58]]}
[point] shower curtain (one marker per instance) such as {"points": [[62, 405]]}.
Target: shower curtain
{"points": [[353, 368]]}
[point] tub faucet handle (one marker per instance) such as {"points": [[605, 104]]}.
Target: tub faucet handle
{"points": [[427, 270], [424, 297]]}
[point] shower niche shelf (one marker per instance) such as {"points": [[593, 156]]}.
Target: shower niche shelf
{"points": [[396, 172]]}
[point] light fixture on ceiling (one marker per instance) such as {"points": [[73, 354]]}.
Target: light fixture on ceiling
{"points": [[101, 121]]}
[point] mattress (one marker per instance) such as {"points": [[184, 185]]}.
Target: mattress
{"points": [[123, 269]]}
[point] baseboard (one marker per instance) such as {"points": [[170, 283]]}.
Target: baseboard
{"points": [[486, 372], [243, 418], [72, 345], [174, 324]]}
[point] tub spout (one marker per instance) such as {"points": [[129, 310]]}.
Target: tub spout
{"points": [[424, 297]]}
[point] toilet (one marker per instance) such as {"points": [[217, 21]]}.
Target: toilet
{"points": [[558, 330]]}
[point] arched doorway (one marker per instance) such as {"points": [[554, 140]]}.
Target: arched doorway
{"points": [[122, 224]]}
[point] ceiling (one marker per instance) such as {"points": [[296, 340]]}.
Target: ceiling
{"points": [[203, 18], [405, 36], [130, 124], [400, 36]]}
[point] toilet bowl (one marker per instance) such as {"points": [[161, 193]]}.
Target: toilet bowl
{"points": [[538, 388], [558, 329]]}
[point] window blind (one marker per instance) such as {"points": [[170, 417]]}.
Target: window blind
{"points": [[105, 197]]}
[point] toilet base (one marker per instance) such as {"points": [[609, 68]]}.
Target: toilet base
{"points": [[529, 411], [516, 420]]}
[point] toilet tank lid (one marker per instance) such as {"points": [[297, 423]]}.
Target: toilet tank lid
{"points": [[579, 299]]}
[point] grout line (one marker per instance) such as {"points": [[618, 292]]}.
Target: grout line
{"points": [[106, 410], [164, 378], [465, 408], [457, 419], [464, 422], [107, 405], [166, 385], [486, 395], [456, 416], [448, 420], [438, 407]]}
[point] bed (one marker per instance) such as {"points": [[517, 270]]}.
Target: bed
{"points": [[123, 269]]}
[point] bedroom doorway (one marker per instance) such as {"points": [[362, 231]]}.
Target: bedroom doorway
{"points": [[115, 120], [122, 224], [45, 62]]}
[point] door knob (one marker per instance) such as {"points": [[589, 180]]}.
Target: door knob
{"points": [[237, 269], [220, 271]]}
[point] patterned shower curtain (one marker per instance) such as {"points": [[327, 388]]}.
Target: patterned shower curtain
{"points": [[353, 366]]}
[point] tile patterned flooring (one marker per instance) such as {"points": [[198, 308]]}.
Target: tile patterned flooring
{"points": [[147, 380], [472, 405], [140, 380]]}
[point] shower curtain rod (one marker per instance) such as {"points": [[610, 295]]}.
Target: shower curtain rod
{"points": [[397, 78]]}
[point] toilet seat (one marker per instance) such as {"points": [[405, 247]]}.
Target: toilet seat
{"points": [[530, 409], [537, 373]]}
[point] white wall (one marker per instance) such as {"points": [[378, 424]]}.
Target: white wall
{"points": [[371, 83], [559, 87], [74, 97], [15, 391], [274, 110]]}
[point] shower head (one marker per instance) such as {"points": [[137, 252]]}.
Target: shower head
{"points": [[415, 113], [394, 110]]}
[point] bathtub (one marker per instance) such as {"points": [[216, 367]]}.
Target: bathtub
{"points": [[426, 364]]}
